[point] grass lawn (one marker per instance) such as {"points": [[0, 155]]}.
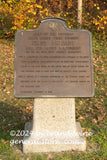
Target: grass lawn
{"points": [[90, 112]]}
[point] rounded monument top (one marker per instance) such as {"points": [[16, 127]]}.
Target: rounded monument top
{"points": [[52, 18]]}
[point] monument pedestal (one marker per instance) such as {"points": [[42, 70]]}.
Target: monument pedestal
{"points": [[53, 128]]}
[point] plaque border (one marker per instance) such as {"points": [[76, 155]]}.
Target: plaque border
{"points": [[91, 58]]}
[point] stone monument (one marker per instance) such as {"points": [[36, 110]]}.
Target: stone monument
{"points": [[53, 64]]}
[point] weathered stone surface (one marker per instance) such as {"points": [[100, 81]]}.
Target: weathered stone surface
{"points": [[54, 127]]}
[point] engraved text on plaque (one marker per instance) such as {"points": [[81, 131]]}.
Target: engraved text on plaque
{"points": [[53, 61]]}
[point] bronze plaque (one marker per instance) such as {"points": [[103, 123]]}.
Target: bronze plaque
{"points": [[53, 61]]}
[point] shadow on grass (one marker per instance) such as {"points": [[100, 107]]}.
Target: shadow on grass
{"points": [[12, 118]]}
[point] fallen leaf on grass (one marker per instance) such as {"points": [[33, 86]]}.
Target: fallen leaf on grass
{"points": [[94, 120], [6, 142], [84, 129], [72, 150], [81, 118], [100, 118]]}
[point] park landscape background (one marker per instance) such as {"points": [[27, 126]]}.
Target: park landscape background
{"points": [[90, 112]]}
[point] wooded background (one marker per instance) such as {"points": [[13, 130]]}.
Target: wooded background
{"points": [[26, 14]]}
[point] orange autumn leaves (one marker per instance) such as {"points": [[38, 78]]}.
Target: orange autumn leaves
{"points": [[26, 14]]}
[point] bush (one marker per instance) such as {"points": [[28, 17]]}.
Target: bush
{"points": [[26, 14]]}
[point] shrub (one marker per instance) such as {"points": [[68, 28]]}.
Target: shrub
{"points": [[26, 14]]}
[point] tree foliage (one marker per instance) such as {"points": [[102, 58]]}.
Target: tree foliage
{"points": [[26, 14]]}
